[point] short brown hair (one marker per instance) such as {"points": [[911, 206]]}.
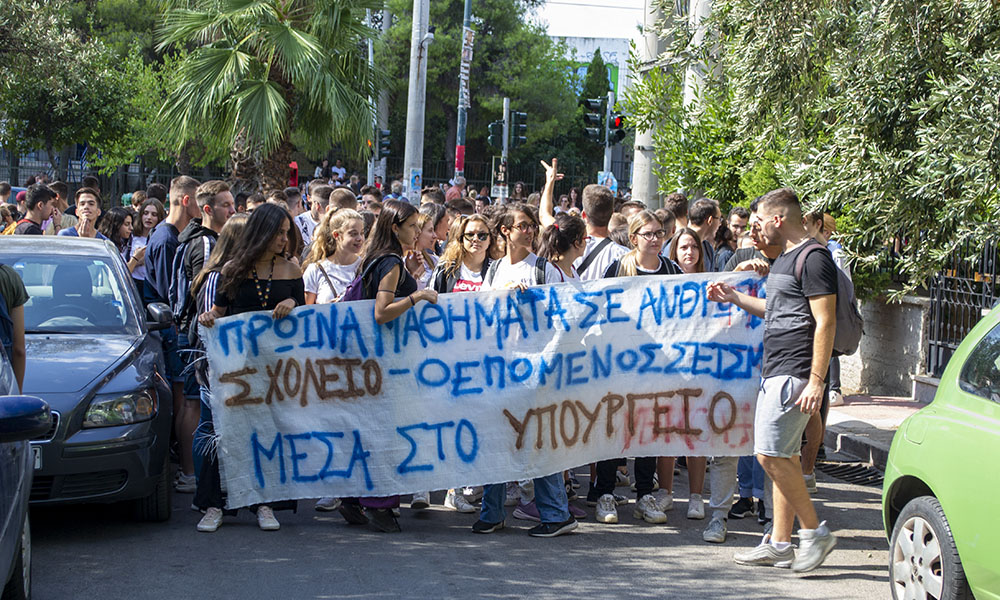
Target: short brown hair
{"points": [[86, 190], [784, 200], [598, 204], [434, 193], [206, 192], [343, 197], [60, 188], [181, 186], [702, 209], [676, 203], [321, 192]]}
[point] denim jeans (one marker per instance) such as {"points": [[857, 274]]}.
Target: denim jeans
{"points": [[550, 498], [751, 476]]}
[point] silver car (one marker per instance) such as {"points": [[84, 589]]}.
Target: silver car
{"points": [[93, 356]]}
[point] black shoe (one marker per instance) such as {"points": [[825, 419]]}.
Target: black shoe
{"points": [[482, 526], [553, 529], [682, 462], [570, 491], [383, 520], [762, 517], [353, 514], [742, 508]]}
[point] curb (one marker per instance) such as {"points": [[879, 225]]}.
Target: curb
{"points": [[857, 444]]}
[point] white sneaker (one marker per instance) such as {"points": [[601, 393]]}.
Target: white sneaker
{"points": [[664, 501], [621, 478], [647, 510], [456, 501], [836, 398], [211, 521], [716, 531], [420, 500], [185, 484], [810, 482], [696, 507], [327, 504], [266, 520], [606, 511], [513, 495]]}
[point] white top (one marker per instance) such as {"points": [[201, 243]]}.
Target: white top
{"points": [[468, 280], [508, 275], [572, 276], [340, 276], [425, 279], [138, 243], [600, 264], [307, 226], [339, 171]]}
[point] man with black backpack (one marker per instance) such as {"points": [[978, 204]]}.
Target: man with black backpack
{"points": [[800, 324]]}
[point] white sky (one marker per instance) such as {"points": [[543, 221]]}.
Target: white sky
{"points": [[592, 18]]}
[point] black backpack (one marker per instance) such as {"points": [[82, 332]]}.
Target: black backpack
{"points": [[850, 325]]}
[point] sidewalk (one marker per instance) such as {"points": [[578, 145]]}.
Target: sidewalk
{"points": [[864, 425]]}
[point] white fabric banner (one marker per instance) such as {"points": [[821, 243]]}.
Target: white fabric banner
{"points": [[481, 387]]}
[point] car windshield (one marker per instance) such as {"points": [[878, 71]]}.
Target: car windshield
{"points": [[73, 294]]}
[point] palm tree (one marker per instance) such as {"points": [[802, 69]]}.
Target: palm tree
{"points": [[257, 73]]}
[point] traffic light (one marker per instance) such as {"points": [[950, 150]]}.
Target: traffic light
{"points": [[518, 129], [616, 129], [495, 138], [383, 144], [593, 118]]}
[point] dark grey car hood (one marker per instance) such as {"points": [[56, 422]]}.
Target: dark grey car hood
{"points": [[64, 363]]}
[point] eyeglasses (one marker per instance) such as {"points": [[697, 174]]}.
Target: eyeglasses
{"points": [[525, 226], [650, 236], [482, 236]]}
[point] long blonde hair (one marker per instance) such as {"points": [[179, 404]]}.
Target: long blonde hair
{"points": [[323, 243], [454, 252], [422, 221], [628, 264]]}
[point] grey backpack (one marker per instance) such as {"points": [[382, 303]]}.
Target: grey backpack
{"points": [[850, 325]]}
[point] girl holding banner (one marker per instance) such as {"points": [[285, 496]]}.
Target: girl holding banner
{"points": [[384, 278], [259, 277], [520, 268]]}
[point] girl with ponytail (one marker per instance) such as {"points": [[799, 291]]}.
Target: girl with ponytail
{"points": [[563, 242], [335, 255]]}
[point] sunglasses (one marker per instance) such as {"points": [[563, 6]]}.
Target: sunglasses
{"points": [[481, 236]]}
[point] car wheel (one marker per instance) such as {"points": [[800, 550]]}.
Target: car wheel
{"points": [[923, 560], [156, 506], [19, 586]]}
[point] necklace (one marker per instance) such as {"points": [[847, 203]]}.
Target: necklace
{"points": [[264, 295]]}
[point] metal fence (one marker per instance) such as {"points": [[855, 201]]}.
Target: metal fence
{"points": [[960, 294]]}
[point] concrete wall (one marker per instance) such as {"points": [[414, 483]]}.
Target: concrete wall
{"points": [[892, 350]]}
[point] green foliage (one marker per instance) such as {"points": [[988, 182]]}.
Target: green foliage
{"points": [[511, 58], [883, 112], [258, 72], [56, 88], [125, 26]]}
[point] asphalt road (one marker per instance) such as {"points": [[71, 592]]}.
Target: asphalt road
{"points": [[84, 552]]}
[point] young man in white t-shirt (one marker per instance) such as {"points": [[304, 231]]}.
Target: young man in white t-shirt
{"points": [[319, 201], [598, 206]]}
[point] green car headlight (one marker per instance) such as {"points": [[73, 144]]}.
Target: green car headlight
{"points": [[120, 409]]}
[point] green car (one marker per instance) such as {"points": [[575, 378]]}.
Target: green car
{"points": [[942, 481]]}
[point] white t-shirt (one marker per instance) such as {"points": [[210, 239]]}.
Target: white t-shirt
{"points": [[468, 280], [602, 261], [307, 226], [339, 173], [425, 279], [340, 276], [522, 272]]}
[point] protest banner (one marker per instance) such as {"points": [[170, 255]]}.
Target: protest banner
{"points": [[481, 387]]}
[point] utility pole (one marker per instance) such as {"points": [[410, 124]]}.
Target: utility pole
{"points": [[464, 100], [383, 104], [372, 140], [417, 99], [697, 71], [645, 184], [506, 131]]}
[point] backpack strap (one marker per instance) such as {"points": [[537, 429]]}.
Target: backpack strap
{"points": [[491, 273], [800, 261], [371, 265], [540, 270], [326, 277], [590, 258]]}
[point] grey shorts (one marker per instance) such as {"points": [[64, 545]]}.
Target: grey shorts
{"points": [[778, 423]]}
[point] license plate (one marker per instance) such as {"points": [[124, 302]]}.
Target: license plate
{"points": [[36, 453]]}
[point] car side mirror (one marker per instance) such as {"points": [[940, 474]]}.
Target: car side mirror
{"points": [[160, 316], [23, 418]]}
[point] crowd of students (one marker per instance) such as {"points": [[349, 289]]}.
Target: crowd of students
{"points": [[188, 247]]}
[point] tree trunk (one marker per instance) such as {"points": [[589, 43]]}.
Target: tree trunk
{"points": [[63, 166], [274, 168]]}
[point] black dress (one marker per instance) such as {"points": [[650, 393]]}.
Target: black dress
{"points": [[247, 299]]}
